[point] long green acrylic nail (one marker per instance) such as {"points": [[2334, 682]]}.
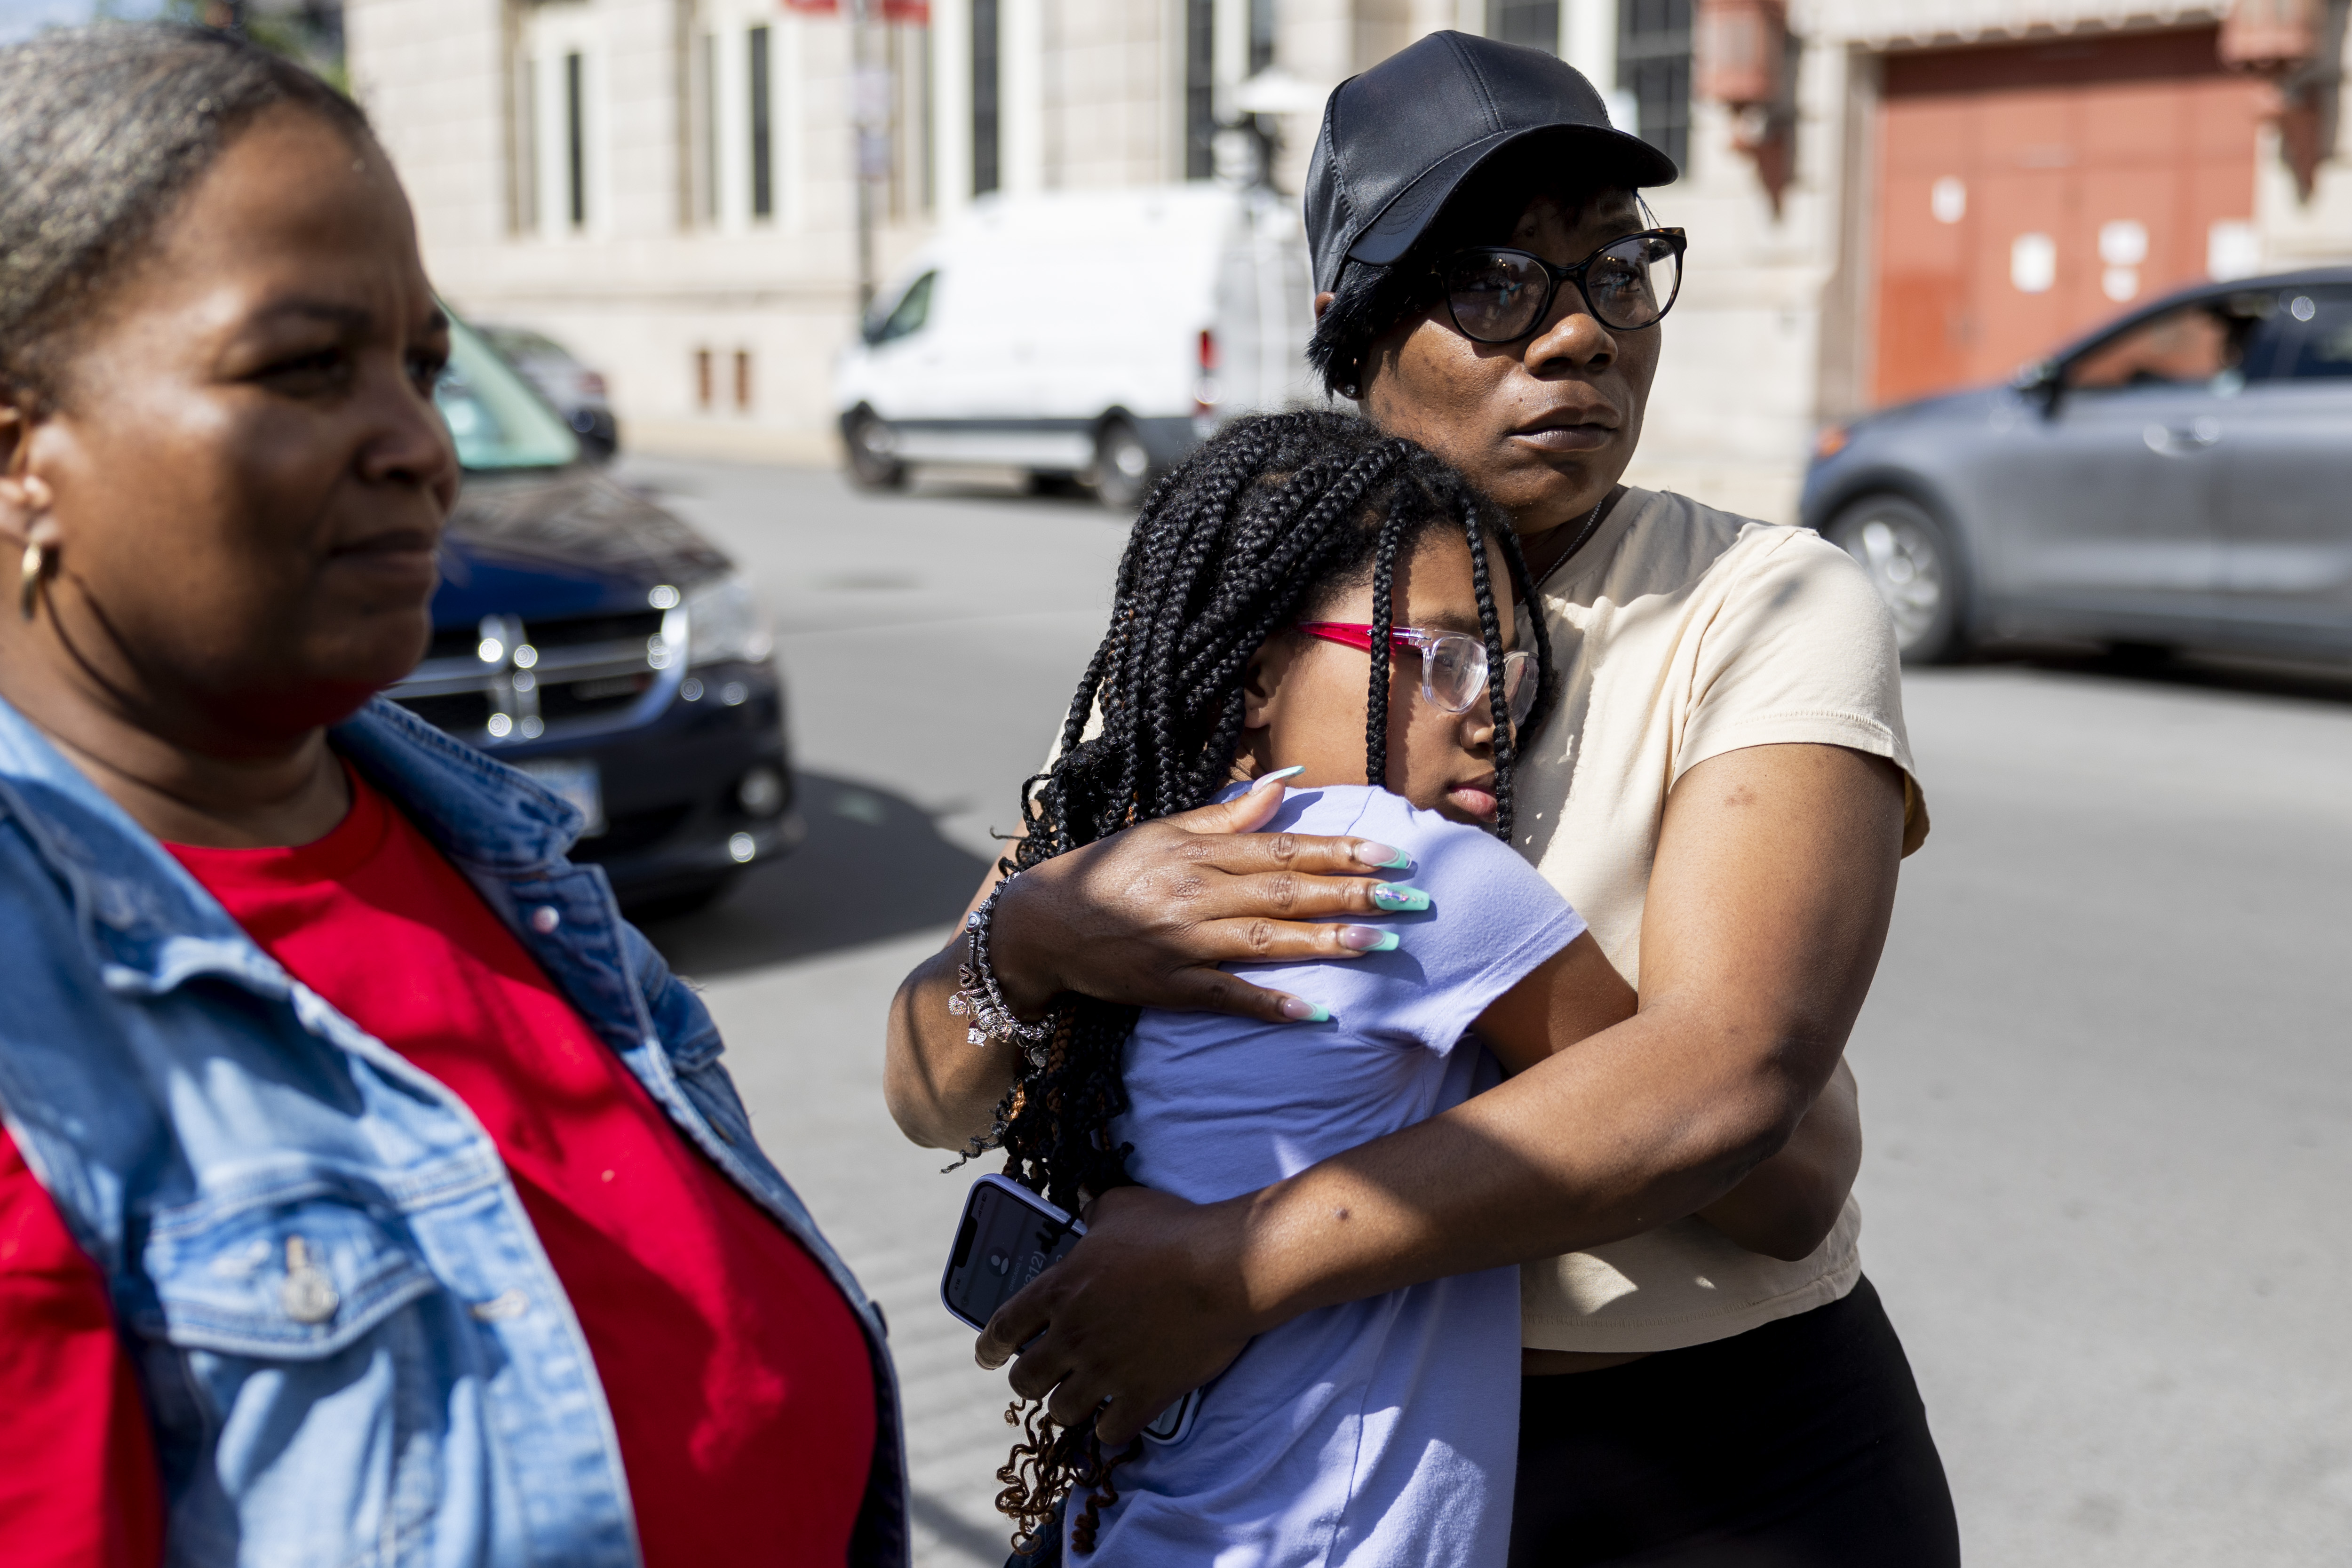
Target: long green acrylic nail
{"points": [[1398, 897]]}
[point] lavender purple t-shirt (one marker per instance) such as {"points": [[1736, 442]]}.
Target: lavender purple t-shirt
{"points": [[1384, 1431]]}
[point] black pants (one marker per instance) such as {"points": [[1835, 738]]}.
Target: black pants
{"points": [[1799, 1445]]}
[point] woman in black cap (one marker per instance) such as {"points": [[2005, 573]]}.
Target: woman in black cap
{"points": [[1726, 797]]}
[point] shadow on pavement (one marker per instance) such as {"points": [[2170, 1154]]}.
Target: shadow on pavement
{"points": [[872, 867], [984, 487], [2311, 680], [954, 1530]]}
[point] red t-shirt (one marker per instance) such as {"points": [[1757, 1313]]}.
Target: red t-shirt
{"points": [[737, 1375], [78, 1486]]}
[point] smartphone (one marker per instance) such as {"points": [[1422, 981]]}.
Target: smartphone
{"points": [[1008, 1236]]}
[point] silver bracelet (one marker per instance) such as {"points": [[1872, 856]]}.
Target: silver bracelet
{"points": [[978, 996]]}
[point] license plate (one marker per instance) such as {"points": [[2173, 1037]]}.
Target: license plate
{"points": [[577, 784]]}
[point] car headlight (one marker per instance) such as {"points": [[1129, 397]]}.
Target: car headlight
{"points": [[725, 624]]}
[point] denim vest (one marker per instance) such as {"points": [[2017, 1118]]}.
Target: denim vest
{"points": [[352, 1346]]}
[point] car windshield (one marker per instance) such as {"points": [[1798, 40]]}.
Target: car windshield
{"points": [[515, 342], [908, 316], [495, 417]]}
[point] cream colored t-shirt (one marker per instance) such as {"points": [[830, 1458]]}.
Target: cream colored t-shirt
{"points": [[1682, 633]]}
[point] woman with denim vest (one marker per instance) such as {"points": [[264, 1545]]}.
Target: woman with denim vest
{"points": [[370, 1191]]}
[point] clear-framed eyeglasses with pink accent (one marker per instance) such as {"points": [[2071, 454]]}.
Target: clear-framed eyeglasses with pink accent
{"points": [[1453, 664]]}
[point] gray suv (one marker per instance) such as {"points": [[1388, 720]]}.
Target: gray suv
{"points": [[2182, 477]]}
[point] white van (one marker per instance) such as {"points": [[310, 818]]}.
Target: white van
{"points": [[1093, 335]]}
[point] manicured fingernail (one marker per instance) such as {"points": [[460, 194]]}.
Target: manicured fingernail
{"points": [[1386, 857], [1397, 896], [1277, 776], [1368, 939], [1300, 1012]]}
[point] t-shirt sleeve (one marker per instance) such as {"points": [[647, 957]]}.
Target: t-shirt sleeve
{"points": [[78, 1482], [1803, 652], [1492, 920]]}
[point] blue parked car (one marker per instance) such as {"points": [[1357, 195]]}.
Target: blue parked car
{"points": [[590, 638]]}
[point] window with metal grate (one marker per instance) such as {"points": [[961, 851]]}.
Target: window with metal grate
{"points": [[1200, 89], [1653, 65], [1535, 23], [986, 103]]}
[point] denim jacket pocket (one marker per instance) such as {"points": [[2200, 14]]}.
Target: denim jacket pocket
{"points": [[296, 1374], [290, 1273]]}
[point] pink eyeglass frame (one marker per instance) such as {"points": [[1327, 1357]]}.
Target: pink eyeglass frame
{"points": [[1521, 692]]}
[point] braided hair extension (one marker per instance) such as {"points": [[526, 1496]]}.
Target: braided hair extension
{"points": [[1490, 628], [1376, 704], [1376, 697], [1236, 544]]}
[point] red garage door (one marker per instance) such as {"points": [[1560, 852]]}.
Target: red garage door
{"points": [[2030, 191]]}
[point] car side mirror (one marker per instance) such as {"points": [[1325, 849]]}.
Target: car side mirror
{"points": [[2041, 383]]}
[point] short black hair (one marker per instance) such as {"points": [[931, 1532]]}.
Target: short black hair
{"points": [[1370, 298], [105, 127]]}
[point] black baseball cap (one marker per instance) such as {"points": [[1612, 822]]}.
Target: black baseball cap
{"points": [[1401, 138]]}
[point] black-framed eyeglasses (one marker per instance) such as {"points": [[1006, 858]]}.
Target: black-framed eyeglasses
{"points": [[1497, 295]]}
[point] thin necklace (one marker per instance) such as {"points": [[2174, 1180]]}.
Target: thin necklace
{"points": [[1592, 521]]}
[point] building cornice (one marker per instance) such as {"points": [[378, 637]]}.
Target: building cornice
{"points": [[1922, 24]]}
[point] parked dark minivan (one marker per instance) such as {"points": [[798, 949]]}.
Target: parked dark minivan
{"points": [[2182, 477], [588, 637]]}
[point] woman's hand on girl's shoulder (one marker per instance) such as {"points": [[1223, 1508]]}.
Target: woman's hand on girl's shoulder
{"points": [[1143, 917], [1146, 916]]}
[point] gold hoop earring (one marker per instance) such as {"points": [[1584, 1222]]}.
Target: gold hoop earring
{"points": [[28, 591]]}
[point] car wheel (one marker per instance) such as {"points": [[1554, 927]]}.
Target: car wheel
{"points": [[1911, 562], [1122, 466], [873, 448]]}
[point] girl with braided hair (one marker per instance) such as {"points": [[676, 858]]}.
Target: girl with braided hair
{"points": [[1308, 606]]}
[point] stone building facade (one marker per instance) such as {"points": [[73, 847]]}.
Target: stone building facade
{"points": [[673, 187]]}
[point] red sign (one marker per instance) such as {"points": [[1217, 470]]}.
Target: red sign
{"points": [[2270, 34], [918, 12], [1740, 48]]}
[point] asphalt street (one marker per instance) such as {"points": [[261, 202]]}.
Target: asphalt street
{"points": [[2106, 1084]]}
